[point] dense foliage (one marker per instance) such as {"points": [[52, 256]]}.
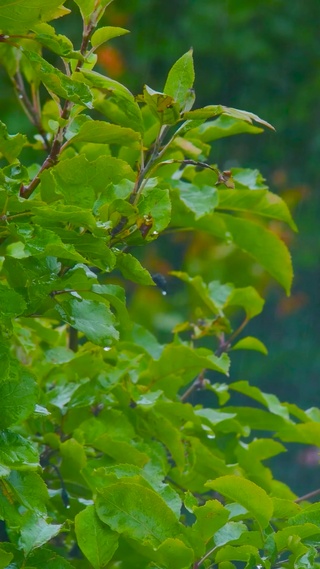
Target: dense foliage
{"points": [[104, 462]]}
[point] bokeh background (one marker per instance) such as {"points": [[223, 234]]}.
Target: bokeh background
{"points": [[262, 56]]}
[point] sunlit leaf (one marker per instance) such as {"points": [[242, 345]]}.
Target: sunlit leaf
{"points": [[105, 34], [180, 79], [246, 493]]}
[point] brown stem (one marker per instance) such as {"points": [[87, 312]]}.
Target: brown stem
{"points": [[30, 109], [225, 345], [307, 496], [198, 563], [197, 384], [155, 155], [52, 158]]}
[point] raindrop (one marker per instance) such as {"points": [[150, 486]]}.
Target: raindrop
{"points": [[161, 282]]}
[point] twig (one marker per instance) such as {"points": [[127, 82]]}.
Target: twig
{"points": [[155, 155], [225, 345], [307, 496], [52, 158], [199, 382], [30, 109], [198, 563], [196, 384]]}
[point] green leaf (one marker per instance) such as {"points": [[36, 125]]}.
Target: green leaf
{"points": [[35, 531], [163, 430], [248, 178], [260, 202], [92, 318], [221, 127], [121, 450], [204, 113], [115, 101], [241, 553], [156, 204], [247, 494], [251, 343], [284, 536], [18, 397], [10, 144], [44, 242], [259, 419], [58, 83], [101, 132], [96, 540], [309, 515], [307, 433], [80, 180], [59, 44], [174, 553], [178, 365], [180, 79], [210, 518], [229, 532], [246, 116], [112, 294], [12, 304], [16, 452], [30, 490], [214, 295], [200, 200], [5, 559], [268, 400], [256, 240], [137, 512], [283, 508], [86, 8], [131, 269], [161, 105], [20, 16], [248, 298], [105, 34], [40, 558]]}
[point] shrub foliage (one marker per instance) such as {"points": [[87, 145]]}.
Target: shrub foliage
{"points": [[103, 460]]}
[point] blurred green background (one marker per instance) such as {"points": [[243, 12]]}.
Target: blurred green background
{"points": [[262, 56]]}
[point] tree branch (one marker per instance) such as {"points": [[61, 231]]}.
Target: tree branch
{"points": [[200, 381], [307, 496], [198, 563], [52, 158]]}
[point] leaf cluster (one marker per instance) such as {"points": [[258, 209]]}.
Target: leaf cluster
{"points": [[103, 462]]}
